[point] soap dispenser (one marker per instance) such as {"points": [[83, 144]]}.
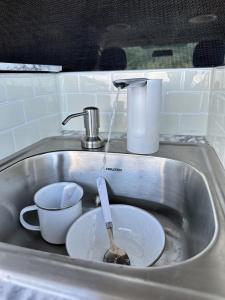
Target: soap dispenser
{"points": [[144, 97]]}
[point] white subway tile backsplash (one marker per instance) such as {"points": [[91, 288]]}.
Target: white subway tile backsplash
{"points": [[172, 103], [172, 79], [205, 102], [2, 92], [26, 134], [32, 106], [181, 102], [212, 127], [76, 102], [216, 120], [69, 82], [186, 92], [45, 84], [11, 114], [218, 82], [24, 117], [220, 132], [95, 82], [219, 146], [18, 87], [120, 123], [105, 102], [63, 102], [127, 74], [219, 102], [49, 126], [53, 103], [169, 124], [7, 144], [35, 108], [193, 124], [197, 79], [220, 121]]}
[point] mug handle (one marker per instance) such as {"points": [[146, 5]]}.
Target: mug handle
{"points": [[24, 223]]}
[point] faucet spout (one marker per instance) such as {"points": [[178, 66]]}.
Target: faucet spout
{"points": [[133, 82]]}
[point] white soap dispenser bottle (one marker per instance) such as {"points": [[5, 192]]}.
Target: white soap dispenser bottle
{"points": [[144, 98]]}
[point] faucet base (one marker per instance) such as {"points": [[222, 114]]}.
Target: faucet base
{"points": [[92, 142]]}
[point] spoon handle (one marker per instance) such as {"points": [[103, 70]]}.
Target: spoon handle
{"points": [[67, 193], [103, 195]]}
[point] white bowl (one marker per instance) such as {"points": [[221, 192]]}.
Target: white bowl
{"points": [[135, 230]]}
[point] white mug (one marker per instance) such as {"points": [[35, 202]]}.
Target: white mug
{"points": [[58, 206]]}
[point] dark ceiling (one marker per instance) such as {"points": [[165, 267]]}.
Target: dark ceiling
{"points": [[70, 32]]}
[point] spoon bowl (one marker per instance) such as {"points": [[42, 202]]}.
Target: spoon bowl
{"points": [[114, 254]]}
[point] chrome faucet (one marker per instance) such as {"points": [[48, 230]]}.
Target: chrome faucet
{"points": [[91, 140]]}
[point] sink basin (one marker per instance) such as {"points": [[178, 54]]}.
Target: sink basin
{"points": [[174, 192], [182, 185]]}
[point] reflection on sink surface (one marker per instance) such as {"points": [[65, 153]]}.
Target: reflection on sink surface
{"points": [[174, 192]]}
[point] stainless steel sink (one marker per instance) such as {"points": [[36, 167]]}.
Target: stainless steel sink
{"points": [[182, 185], [173, 191]]}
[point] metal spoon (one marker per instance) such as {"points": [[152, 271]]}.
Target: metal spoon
{"points": [[114, 254]]}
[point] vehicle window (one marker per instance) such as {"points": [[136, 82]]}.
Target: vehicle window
{"points": [[89, 35], [173, 56]]}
